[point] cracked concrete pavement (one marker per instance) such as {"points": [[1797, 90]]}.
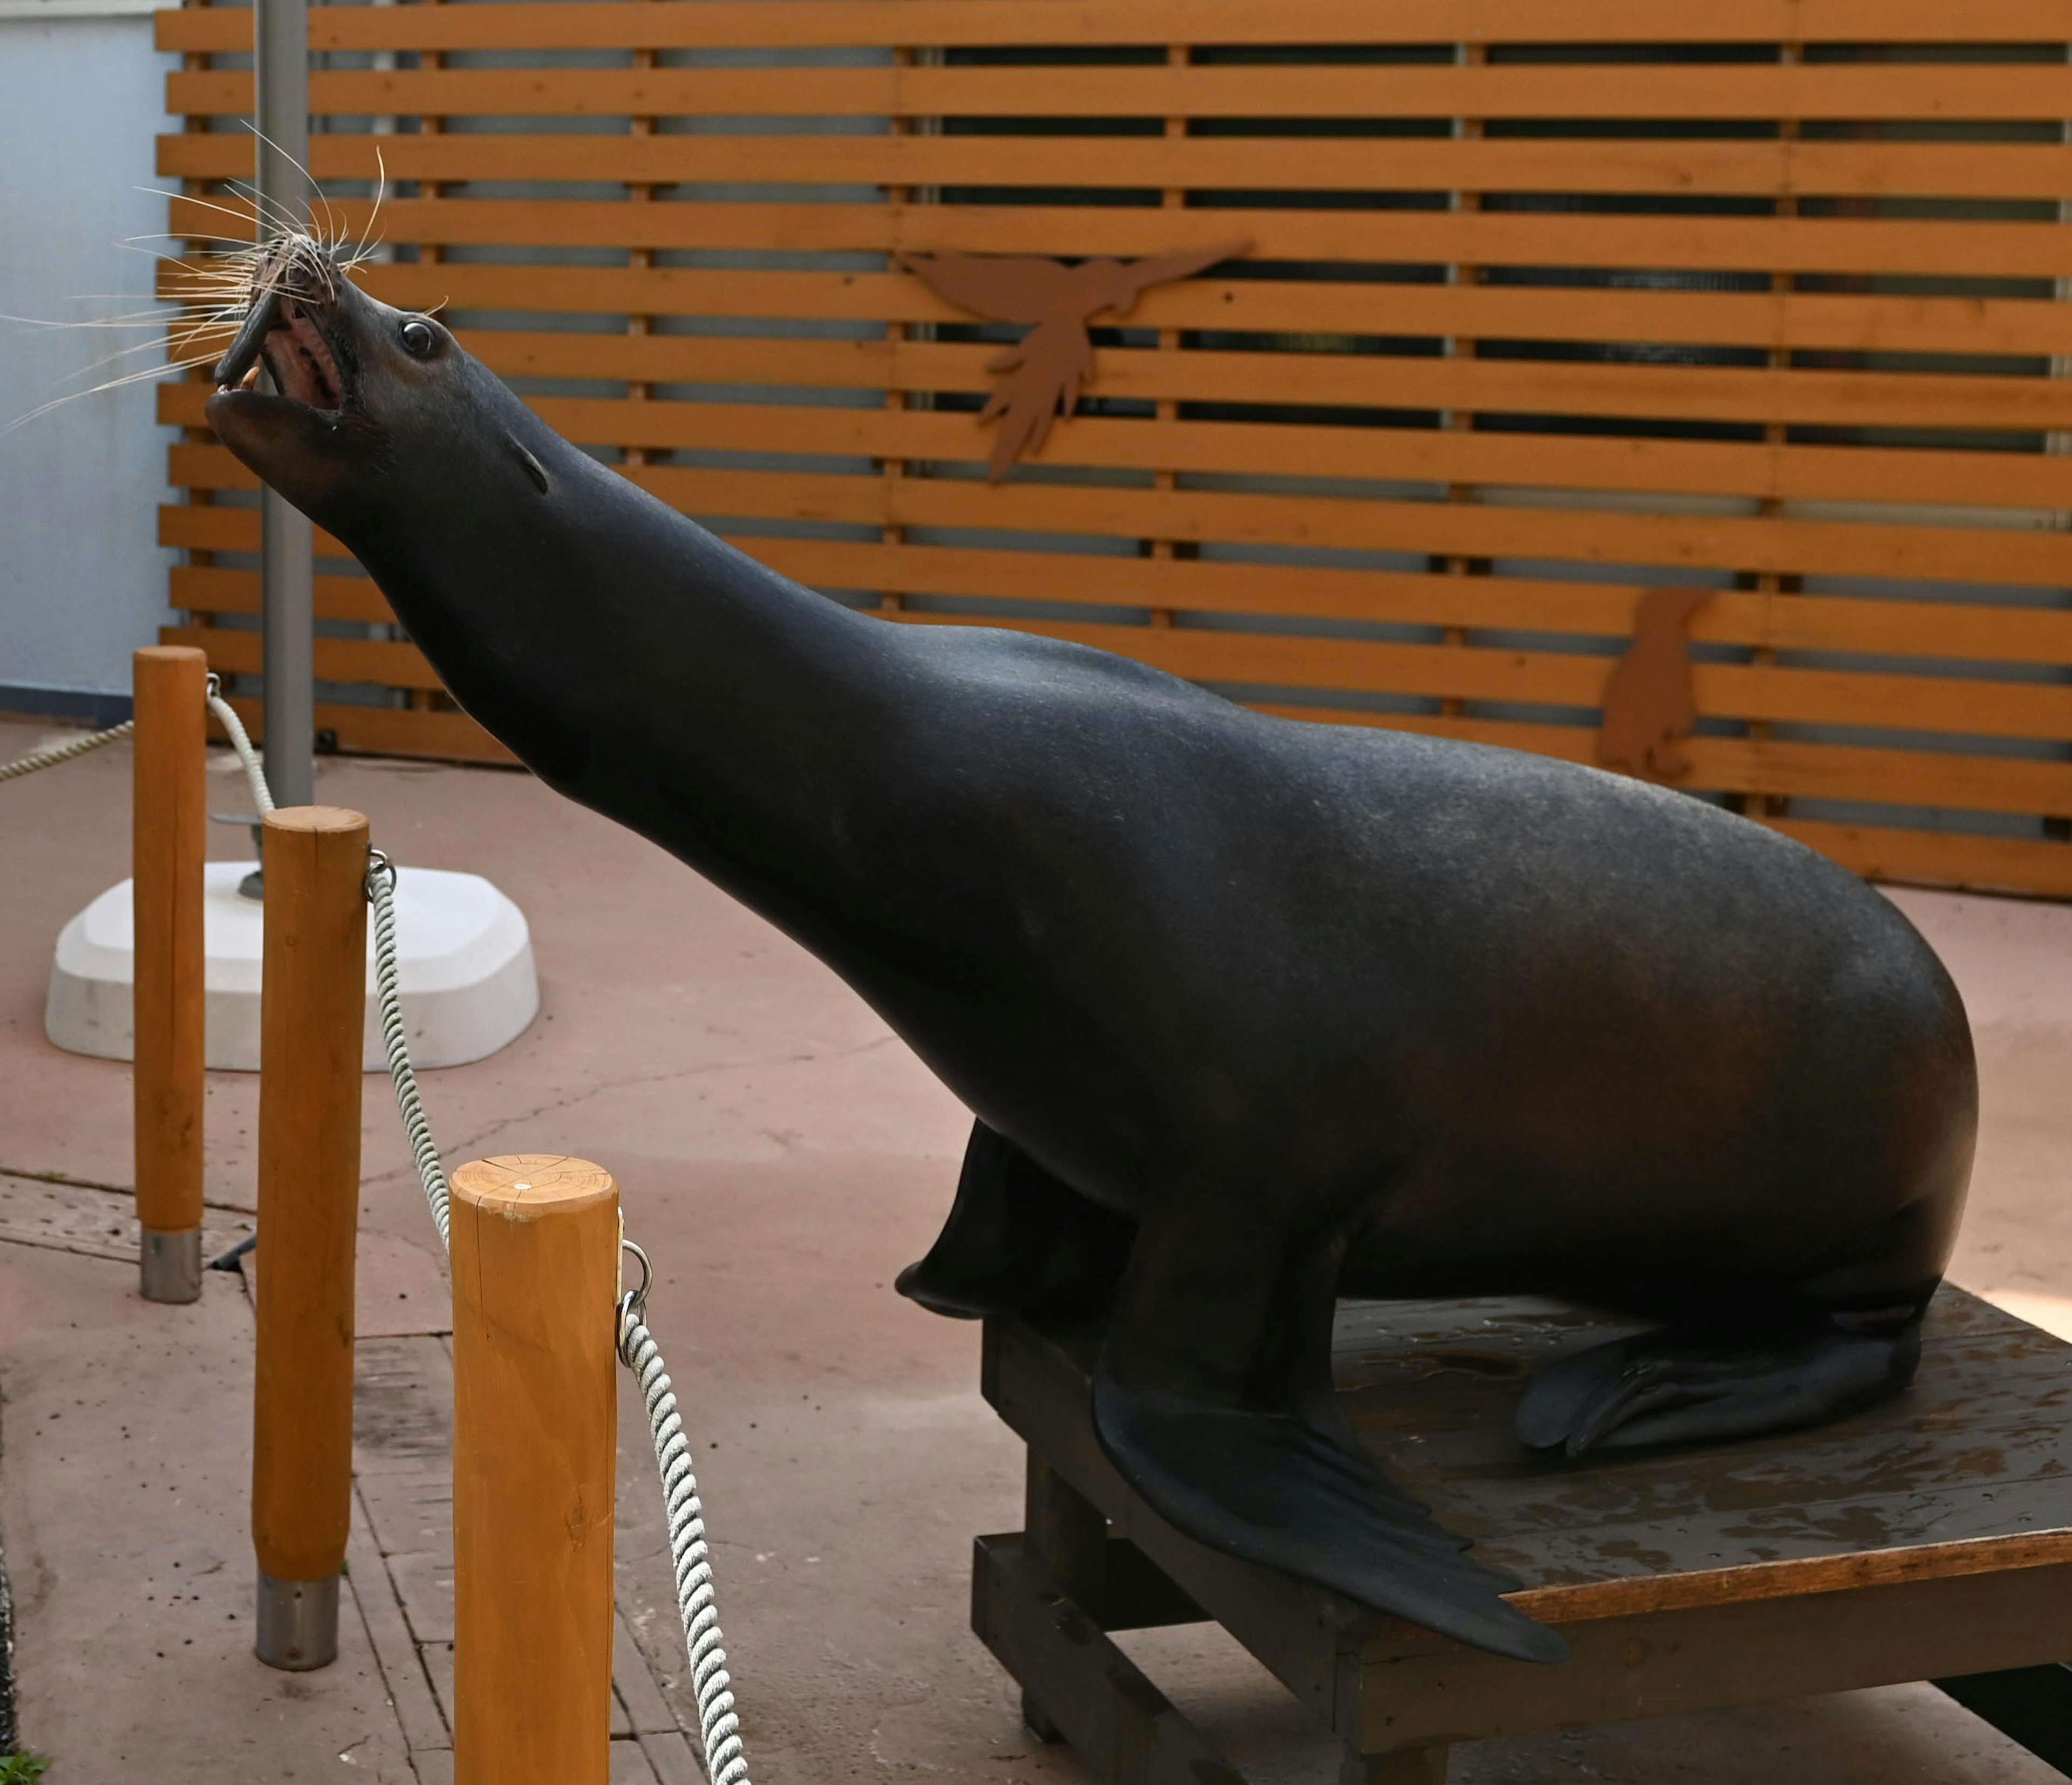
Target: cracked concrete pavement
{"points": [[782, 1157]]}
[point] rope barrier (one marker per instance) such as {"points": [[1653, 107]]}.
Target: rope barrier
{"points": [[65, 751], [226, 716], [697, 1604], [417, 1125], [719, 1729]]}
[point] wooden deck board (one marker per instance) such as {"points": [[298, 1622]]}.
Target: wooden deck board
{"points": [[1977, 1454]]}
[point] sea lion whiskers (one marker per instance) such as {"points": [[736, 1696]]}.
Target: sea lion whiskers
{"points": [[217, 289]]}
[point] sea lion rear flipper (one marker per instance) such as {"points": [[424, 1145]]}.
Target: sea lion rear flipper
{"points": [[1018, 1241], [1213, 1399], [1683, 1385]]}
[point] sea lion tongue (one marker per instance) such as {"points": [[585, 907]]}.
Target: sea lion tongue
{"points": [[244, 352]]}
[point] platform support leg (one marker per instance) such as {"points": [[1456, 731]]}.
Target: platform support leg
{"points": [[2030, 1705], [1065, 1536], [1403, 1766]]}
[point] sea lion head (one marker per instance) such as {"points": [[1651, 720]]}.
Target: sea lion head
{"points": [[375, 411]]}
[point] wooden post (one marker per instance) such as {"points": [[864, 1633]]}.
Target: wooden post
{"points": [[169, 820], [311, 1015], [536, 1431]]}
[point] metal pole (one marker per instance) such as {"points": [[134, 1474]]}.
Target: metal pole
{"points": [[282, 63]]}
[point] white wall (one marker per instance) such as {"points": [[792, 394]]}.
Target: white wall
{"points": [[82, 583]]}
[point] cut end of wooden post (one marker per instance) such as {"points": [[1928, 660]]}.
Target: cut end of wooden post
{"points": [[171, 653], [315, 821], [526, 1187]]}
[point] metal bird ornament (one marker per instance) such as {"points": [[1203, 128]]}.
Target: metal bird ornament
{"points": [[1047, 370]]}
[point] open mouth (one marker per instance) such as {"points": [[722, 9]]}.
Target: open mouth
{"points": [[285, 332]]}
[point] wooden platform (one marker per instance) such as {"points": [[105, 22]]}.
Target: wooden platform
{"points": [[1930, 1539]]}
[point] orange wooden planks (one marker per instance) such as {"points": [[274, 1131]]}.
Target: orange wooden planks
{"points": [[1869, 187], [795, 24], [1801, 90], [1809, 321]]}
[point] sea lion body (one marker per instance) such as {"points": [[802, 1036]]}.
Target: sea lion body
{"points": [[1251, 1013], [1553, 1030]]}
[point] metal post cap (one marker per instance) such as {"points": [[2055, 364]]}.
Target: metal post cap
{"points": [[298, 1624], [170, 1266]]}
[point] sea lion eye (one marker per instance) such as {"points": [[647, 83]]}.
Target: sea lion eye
{"points": [[421, 340]]}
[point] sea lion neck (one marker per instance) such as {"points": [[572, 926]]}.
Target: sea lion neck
{"points": [[539, 608]]}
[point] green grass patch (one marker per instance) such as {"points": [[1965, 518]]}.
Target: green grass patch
{"points": [[22, 1769]]}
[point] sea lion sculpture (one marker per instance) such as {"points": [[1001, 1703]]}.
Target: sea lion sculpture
{"points": [[1251, 1013]]}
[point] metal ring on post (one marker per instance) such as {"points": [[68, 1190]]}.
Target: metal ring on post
{"points": [[633, 1304]]}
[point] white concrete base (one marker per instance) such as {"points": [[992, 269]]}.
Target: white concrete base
{"points": [[465, 959]]}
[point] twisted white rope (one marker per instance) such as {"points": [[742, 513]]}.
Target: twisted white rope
{"points": [[417, 1125], [255, 775], [719, 1729], [65, 751]]}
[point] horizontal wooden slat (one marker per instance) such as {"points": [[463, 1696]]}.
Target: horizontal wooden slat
{"points": [[197, 529], [1752, 766], [375, 730], [1518, 460], [795, 24], [1793, 622], [1712, 393], [1796, 320], [1683, 167], [1966, 631], [1765, 692], [1783, 90], [207, 590], [1768, 691], [385, 663], [1763, 766], [1486, 238], [1480, 530], [1578, 537], [1939, 858], [1932, 858], [1358, 235]]}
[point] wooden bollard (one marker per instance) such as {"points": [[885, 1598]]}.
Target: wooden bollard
{"points": [[312, 1012], [168, 827], [536, 1430]]}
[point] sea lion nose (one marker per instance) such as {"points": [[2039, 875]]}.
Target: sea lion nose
{"points": [[244, 352]]}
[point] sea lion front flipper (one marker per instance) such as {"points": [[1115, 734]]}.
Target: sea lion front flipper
{"points": [[1683, 1385], [1018, 1241], [1212, 1398]]}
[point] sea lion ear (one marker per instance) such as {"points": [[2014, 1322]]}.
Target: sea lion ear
{"points": [[533, 468]]}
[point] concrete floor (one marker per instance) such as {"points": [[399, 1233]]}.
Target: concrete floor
{"points": [[781, 1156]]}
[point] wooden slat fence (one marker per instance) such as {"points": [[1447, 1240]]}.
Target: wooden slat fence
{"points": [[1548, 303]]}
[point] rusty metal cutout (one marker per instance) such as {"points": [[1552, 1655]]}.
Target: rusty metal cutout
{"points": [[1053, 364], [1649, 708]]}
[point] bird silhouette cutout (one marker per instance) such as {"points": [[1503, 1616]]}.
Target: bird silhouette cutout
{"points": [[1649, 707], [1047, 371]]}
